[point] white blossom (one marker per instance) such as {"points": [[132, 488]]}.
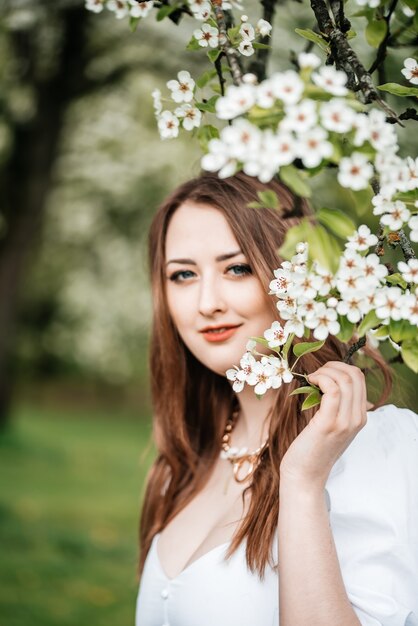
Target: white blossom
{"points": [[200, 9], [190, 115], [247, 31], [396, 216], [323, 322], [331, 80], [263, 27], [369, 3], [265, 94], [388, 303], [300, 117], [96, 6], [413, 225], [353, 306], [237, 378], [409, 308], [218, 159], [119, 7], [246, 48], [156, 97], [337, 116], [308, 59], [362, 239], [140, 9], [373, 270], [276, 335], [287, 86], [207, 36], [409, 270], [168, 125], [355, 171], [182, 89], [313, 147], [410, 70], [238, 99]]}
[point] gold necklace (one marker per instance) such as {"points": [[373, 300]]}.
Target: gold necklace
{"points": [[238, 457]]}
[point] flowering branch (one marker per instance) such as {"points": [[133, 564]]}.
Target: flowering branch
{"points": [[231, 53], [346, 59]]}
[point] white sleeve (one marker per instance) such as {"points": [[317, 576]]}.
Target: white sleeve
{"points": [[373, 501]]}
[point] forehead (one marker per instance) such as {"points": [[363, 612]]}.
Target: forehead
{"points": [[198, 229]]}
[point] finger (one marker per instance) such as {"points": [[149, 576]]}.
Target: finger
{"points": [[351, 381], [358, 375], [330, 401]]}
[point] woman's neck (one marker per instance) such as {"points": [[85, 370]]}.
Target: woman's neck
{"points": [[253, 424]]}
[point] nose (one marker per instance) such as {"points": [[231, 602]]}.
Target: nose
{"points": [[211, 299]]}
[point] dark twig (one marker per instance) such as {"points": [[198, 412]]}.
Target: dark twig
{"points": [[258, 65], [409, 114], [345, 57], [218, 67], [382, 49], [356, 346], [232, 55]]}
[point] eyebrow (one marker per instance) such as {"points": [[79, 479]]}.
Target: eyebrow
{"points": [[221, 257]]}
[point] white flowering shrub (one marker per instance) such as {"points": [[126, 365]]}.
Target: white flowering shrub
{"points": [[296, 124]]}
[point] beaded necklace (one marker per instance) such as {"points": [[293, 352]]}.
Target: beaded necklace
{"points": [[238, 457]]}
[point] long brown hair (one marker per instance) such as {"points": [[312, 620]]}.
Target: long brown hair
{"points": [[191, 403]]}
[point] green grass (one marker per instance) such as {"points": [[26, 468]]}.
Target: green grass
{"points": [[70, 489]]}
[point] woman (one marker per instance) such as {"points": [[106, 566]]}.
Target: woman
{"points": [[324, 528]]}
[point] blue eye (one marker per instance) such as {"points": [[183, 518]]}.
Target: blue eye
{"points": [[240, 270], [181, 276]]}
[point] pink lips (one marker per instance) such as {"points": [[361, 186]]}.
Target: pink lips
{"points": [[214, 334]]}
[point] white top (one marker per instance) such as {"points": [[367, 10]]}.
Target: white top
{"points": [[372, 495]]}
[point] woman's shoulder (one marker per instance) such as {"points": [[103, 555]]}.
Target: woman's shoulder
{"points": [[380, 466]]}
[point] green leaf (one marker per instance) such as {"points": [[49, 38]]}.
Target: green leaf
{"points": [[203, 80], [269, 199], [381, 332], [409, 352], [293, 178], [193, 44], [310, 35], [214, 54], [336, 221], [299, 349], [399, 90], [400, 330], [323, 248], [133, 23], [261, 46], [205, 134], [313, 399], [305, 389], [165, 11], [396, 279], [350, 34], [364, 13], [261, 340], [369, 321], [346, 329], [208, 106], [362, 201], [375, 32]]}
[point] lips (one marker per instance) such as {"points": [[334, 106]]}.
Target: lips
{"points": [[214, 334]]}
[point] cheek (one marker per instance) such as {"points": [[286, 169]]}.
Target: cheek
{"points": [[179, 306]]}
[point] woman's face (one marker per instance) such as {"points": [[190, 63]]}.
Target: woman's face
{"points": [[215, 301]]}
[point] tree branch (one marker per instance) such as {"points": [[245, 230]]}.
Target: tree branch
{"points": [[356, 346], [231, 54], [382, 49], [258, 65], [346, 59]]}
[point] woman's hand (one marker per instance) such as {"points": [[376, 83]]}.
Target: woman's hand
{"points": [[342, 414]]}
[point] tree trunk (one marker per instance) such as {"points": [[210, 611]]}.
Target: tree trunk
{"points": [[26, 177]]}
